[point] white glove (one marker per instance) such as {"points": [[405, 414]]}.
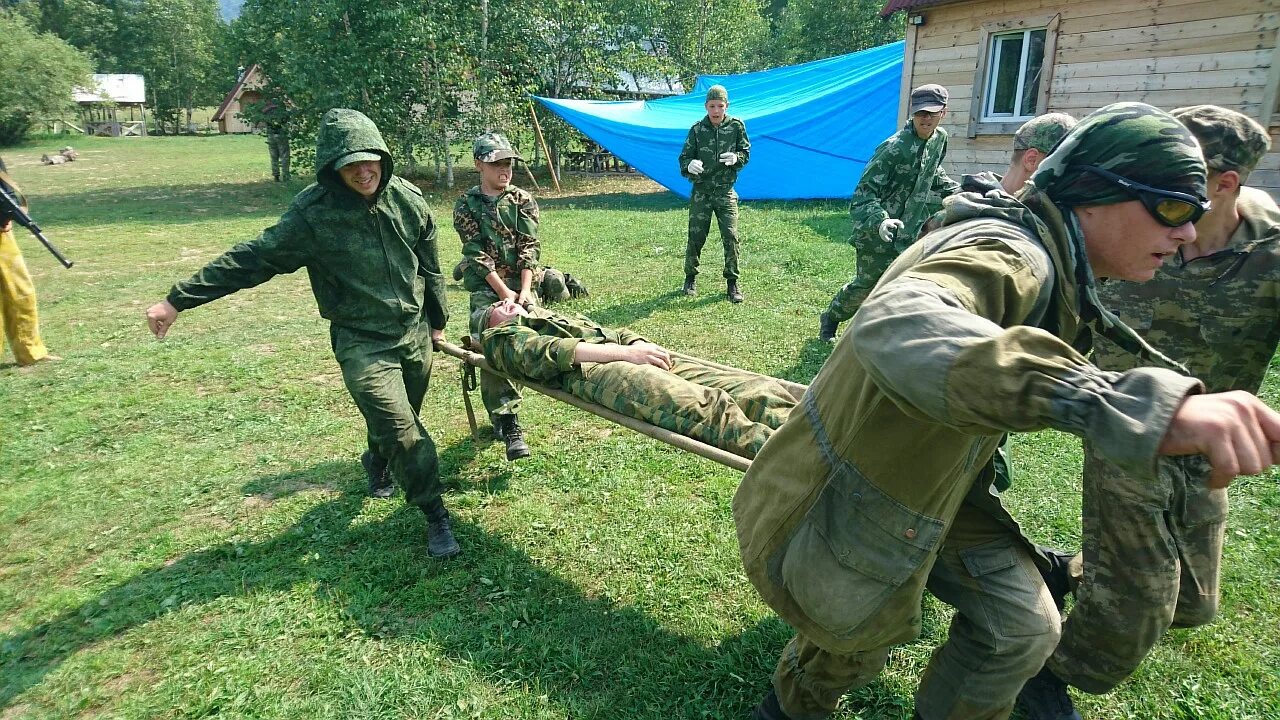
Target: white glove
{"points": [[888, 228], [695, 167], [729, 158]]}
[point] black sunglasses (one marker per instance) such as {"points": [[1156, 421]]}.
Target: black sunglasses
{"points": [[1169, 208]]}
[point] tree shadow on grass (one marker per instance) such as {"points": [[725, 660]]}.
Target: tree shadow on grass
{"points": [[166, 205], [627, 312], [494, 609], [833, 226], [808, 361]]}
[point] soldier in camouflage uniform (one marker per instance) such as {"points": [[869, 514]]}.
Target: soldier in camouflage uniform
{"points": [[277, 134], [498, 225], [714, 151], [1152, 550], [902, 185], [368, 243], [618, 369], [881, 484]]}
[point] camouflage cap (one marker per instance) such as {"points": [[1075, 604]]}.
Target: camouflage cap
{"points": [[1138, 141], [1043, 132], [930, 98], [717, 92], [355, 157], [492, 147], [1230, 140]]}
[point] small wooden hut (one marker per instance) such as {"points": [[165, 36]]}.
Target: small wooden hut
{"points": [[1006, 61], [115, 107], [246, 92]]}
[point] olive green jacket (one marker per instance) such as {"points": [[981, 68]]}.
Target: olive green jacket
{"points": [[373, 267], [967, 336]]}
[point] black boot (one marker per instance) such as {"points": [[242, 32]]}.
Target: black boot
{"points": [[689, 288], [734, 293], [769, 709], [1058, 577], [440, 542], [508, 429], [459, 269], [375, 469], [827, 327], [1044, 697]]}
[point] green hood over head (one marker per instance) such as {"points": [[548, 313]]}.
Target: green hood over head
{"points": [[344, 131]]}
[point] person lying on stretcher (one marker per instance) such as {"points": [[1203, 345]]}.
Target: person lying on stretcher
{"points": [[733, 410]]}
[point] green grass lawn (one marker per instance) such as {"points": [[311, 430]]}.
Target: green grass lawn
{"points": [[185, 534]]}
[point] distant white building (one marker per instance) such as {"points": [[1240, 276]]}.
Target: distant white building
{"points": [[103, 106]]}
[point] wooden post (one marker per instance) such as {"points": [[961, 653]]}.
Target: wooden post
{"points": [[538, 127], [536, 186]]}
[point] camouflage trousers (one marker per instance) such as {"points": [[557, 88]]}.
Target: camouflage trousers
{"points": [[733, 410], [500, 395], [724, 206], [874, 257], [1151, 561], [1004, 627], [388, 377], [278, 149]]}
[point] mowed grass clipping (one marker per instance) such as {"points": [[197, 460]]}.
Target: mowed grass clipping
{"points": [[184, 531]]}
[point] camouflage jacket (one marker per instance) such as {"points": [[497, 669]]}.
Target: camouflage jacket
{"points": [[903, 180], [373, 267], [705, 142], [539, 347], [968, 335], [499, 234], [1219, 314]]}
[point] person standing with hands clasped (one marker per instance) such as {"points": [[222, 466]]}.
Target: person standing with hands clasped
{"points": [[714, 151]]}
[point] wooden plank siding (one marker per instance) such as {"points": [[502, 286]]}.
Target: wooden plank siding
{"points": [[1164, 52]]}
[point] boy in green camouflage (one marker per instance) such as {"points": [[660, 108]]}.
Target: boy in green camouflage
{"points": [[902, 185], [368, 243], [714, 151], [618, 369], [1153, 550], [498, 225]]}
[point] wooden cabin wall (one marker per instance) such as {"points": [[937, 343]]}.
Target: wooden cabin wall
{"points": [[1167, 53]]}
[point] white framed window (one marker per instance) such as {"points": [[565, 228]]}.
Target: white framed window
{"points": [[1012, 81], [1015, 70]]}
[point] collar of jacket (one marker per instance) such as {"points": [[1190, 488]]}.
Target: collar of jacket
{"points": [[706, 120], [485, 197]]}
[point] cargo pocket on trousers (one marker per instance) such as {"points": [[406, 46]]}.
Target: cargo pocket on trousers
{"points": [[855, 548], [1009, 594]]}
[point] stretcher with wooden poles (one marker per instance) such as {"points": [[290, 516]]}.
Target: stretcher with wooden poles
{"points": [[471, 360]]}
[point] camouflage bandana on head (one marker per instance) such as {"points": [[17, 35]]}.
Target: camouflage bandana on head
{"points": [[1135, 140], [1230, 140]]}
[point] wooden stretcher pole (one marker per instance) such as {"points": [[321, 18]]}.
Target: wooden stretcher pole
{"points": [[701, 449], [551, 166], [796, 389]]}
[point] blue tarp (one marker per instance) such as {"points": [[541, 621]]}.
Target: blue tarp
{"points": [[812, 126]]}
